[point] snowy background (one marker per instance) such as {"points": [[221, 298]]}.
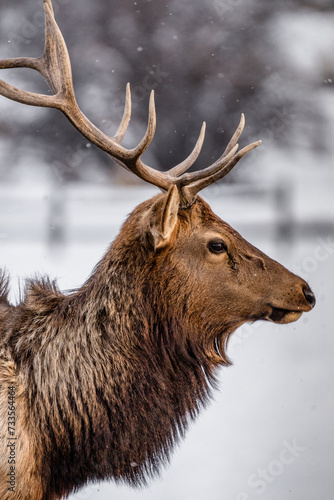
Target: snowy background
{"points": [[268, 433]]}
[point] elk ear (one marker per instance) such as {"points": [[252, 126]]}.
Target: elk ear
{"points": [[165, 219]]}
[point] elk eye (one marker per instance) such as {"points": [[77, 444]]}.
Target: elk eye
{"points": [[217, 246]]}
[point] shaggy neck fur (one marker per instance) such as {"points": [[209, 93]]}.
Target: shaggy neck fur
{"points": [[110, 375]]}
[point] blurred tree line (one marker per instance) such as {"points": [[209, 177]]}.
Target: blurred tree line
{"points": [[206, 60]]}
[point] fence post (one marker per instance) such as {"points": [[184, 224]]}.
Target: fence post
{"points": [[56, 216]]}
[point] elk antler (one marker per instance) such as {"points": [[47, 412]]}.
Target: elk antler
{"points": [[54, 65]]}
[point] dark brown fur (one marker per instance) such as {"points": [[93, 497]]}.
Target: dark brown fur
{"points": [[109, 376]]}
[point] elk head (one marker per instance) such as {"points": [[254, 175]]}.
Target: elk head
{"points": [[208, 272], [209, 277]]}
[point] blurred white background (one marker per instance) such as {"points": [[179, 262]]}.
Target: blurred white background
{"points": [[268, 433]]}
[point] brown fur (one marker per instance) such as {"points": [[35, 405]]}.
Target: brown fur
{"points": [[108, 377]]}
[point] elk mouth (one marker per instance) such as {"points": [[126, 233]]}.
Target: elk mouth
{"points": [[282, 316]]}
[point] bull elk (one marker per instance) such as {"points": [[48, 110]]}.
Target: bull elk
{"points": [[101, 382]]}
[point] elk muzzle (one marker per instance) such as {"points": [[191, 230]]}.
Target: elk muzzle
{"points": [[303, 300]]}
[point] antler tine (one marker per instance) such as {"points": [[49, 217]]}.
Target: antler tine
{"points": [[126, 116], [49, 4], [188, 162], [235, 136], [192, 183], [132, 159], [186, 179], [192, 189], [23, 96], [48, 62], [18, 62], [218, 165], [221, 162], [150, 131], [56, 64]]}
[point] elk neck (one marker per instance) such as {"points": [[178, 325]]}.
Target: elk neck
{"points": [[112, 366]]}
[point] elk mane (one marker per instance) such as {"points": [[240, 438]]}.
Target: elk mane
{"points": [[119, 374]]}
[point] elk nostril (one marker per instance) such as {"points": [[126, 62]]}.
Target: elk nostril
{"points": [[309, 296]]}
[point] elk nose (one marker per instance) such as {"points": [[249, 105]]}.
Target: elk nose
{"points": [[309, 296]]}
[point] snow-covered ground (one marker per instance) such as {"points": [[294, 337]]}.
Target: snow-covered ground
{"points": [[269, 432]]}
